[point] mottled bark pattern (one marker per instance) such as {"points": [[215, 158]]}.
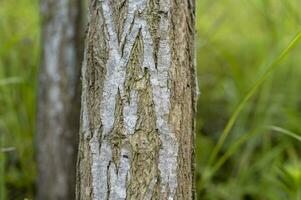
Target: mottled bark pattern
{"points": [[58, 100], [138, 101]]}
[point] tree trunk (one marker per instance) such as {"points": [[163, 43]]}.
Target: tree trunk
{"points": [[138, 101], [58, 99]]}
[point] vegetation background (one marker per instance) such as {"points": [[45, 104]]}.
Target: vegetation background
{"points": [[237, 41]]}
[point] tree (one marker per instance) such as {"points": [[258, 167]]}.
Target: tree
{"points": [[58, 98], [138, 101]]}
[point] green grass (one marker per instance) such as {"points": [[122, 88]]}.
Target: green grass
{"points": [[286, 132], [242, 93], [2, 164], [249, 94], [249, 76], [19, 54]]}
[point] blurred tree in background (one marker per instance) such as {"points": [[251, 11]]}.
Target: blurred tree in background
{"points": [[237, 40], [59, 98]]}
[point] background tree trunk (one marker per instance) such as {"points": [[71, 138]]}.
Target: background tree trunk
{"points": [[138, 101], [58, 99]]}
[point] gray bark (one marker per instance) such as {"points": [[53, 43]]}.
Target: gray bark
{"points": [[138, 101], [58, 99]]}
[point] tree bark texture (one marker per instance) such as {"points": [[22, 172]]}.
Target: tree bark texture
{"points": [[59, 98], [138, 101]]}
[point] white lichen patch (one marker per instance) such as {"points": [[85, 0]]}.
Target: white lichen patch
{"points": [[110, 180], [130, 113], [161, 97], [100, 156], [114, 82], [119, 179]]}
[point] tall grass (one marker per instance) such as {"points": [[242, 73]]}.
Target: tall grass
{"points": [[19, 51], [236, 42], [2, 164]]}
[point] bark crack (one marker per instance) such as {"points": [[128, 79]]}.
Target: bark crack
{"points": [[135, 153]]}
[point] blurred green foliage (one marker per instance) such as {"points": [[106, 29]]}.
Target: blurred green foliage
{"points": [[19, 56], [237, 40]]}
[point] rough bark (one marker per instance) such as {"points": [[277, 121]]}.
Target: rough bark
{"points": [[138, 101], [58, 99]]}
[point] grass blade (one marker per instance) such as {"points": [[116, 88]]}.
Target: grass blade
{"points": [[12, 80], [233, 148], [286, 132], [249, 94]]}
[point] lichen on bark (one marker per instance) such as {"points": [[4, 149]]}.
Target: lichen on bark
{"points": [[141, 142]]}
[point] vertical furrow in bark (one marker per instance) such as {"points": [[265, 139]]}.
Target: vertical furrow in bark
{"points": [[93, 72], [119, 12], [153, 22], [169, 153], [183, 92], [143, 142], [114, 80]]}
